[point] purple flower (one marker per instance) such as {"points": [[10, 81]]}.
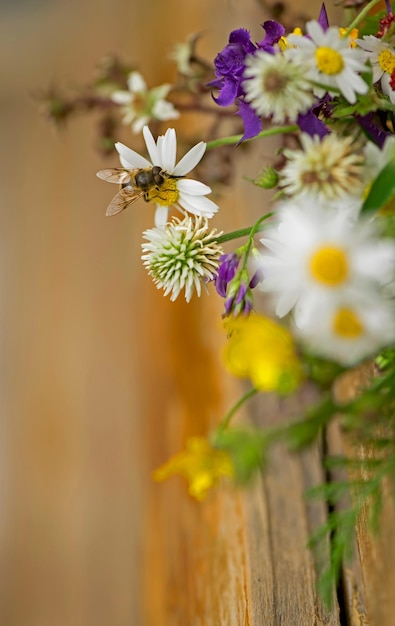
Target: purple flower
{"points": [[274, 31], [229, 66], [310, 124], [252, 122], [256, 279], [229, 63], [240, 302], [226, 272], [372, 126], [323, 18], [239, 297]]}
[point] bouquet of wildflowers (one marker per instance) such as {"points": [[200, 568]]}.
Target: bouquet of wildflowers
{"points": [[323, 255]]}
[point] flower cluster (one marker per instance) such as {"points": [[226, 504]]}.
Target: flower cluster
{"points": [[324, 255]]}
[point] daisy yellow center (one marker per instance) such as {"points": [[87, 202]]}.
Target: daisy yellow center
{"points": [[387, 61], [347, 324], [329, 61], [329, 266], [166, 194]]}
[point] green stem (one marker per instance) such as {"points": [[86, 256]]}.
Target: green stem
{"points": [[226, 420], [243, 232], [361, 16], [234, 234], [226, 141], [253, 232]]}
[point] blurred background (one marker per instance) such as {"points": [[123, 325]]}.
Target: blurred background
{"points": [[102, 379]]}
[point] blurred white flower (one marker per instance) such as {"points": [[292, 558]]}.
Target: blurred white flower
{"points": [[140, 105], [331, 167], [318, 256], [349, 331]]}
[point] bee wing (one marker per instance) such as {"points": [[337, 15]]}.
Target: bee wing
{"points": [[116, 175], [121, 201]]}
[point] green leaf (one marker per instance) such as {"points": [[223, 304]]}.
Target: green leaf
{"points": [[382, 190], [247, 449]]}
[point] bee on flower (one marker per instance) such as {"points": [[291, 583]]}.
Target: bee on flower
{"points": [[160, 180]]}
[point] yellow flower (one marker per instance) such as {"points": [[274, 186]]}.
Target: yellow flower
{"points": [[201, 464], [352, 36], [263, 351]]}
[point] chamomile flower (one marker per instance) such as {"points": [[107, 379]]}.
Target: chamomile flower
{"points": [[187, 195], [140, 104], [183, 255], [331, 167], [333, 63], [350, 330], [382, 59], [276, 85], [320, 253]]}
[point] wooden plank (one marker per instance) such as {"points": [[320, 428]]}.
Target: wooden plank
{"points": [[292, 586]]}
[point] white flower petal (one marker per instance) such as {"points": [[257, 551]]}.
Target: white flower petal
{"points": [[164, 110], [161, 215], [139, 123], [151, 146], [129, 158], [190, 160], [136, 83], [193, 187], [167, 147], [198, 205], [121, 97]]}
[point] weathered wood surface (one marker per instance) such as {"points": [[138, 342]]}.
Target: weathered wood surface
{"points": [[102, 379]]}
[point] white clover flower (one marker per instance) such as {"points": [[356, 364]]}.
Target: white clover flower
{"points": [[276, 85], [185, 194], [183, 255], [140, 104], [332, 62], [382, 59], [350, 330], [318, 254], [331, 168]]}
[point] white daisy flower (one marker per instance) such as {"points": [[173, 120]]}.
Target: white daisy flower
{"points": [[186, 195], [276, 85], [382, 59], [318, 254], [140, 104], [333, 63], [349, 331], [183, 255], [331, 167]]}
